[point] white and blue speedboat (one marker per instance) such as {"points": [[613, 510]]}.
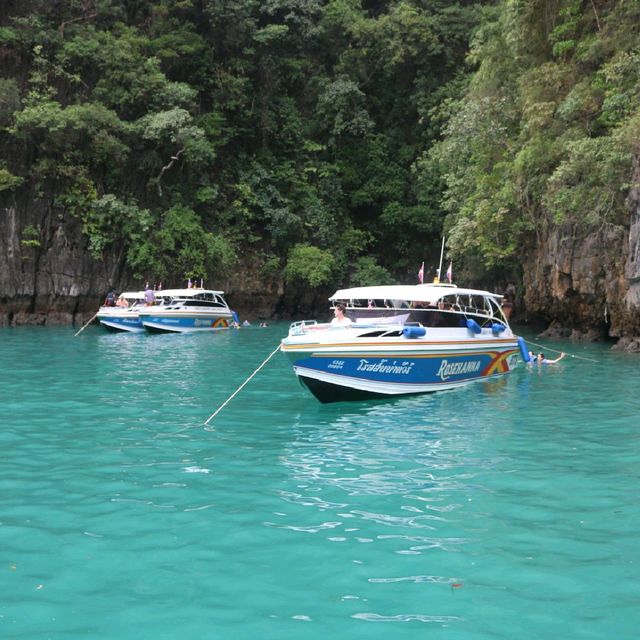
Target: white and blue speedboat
{"points": [[403, 339], [187, 310], [123, 318]]}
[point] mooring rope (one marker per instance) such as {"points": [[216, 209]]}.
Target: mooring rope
{"points": [[571, 355], [87, 324], [215, 413]]}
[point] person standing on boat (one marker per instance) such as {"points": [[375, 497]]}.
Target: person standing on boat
{"points": [[340, 320], [149, 296]]}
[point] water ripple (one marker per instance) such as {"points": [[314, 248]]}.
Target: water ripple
{"points": [[407, 617]]}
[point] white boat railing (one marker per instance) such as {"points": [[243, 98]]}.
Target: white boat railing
{"points": [[299, 327]]}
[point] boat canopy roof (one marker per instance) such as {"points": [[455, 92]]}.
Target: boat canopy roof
{"points": [[187, 293], [429, 293]]}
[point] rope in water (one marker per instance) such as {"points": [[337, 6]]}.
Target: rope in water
{"points": [[217, 411], [571, 355]]}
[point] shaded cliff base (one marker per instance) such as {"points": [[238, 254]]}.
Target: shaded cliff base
{"points": [[47, 310], [630, 344], [53, 319], [557, 331]]}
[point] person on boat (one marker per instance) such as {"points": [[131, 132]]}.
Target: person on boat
{"points": [[543, 360], [507, 308], [122, 302], [509, 301], [110, 300], [149, 296], [340, 320]]}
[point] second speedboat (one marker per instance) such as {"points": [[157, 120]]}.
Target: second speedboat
{"points": [[188, 310]]}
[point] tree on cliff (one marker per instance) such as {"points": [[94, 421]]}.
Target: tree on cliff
{"points": [[546, 131], [239, 125]]}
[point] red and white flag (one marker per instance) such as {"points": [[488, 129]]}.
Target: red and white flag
{"points": [[421, 274], [450, 272]]}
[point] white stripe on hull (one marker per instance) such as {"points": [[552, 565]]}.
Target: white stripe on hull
{"points": [[121, 327], [382, 388], [174, 328], [402, 351]]}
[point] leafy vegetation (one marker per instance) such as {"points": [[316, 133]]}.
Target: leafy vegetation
{"points": [[334, 141], [545, 133]]}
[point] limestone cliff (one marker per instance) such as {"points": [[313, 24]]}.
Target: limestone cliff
{"points": [[588, 286], [583, 286], [47, 275]]}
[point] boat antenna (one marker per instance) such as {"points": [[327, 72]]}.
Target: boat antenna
{"points": [[440, 265], [217, 411]]}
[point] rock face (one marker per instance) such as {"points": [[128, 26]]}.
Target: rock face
{"points": [[577, 283], [47, 276], [588, 286], [632, 264]]}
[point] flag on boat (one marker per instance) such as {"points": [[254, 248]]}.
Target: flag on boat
{"points": [[421, 274], [450, 273]]}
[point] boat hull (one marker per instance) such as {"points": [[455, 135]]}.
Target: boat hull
{"points": [[333, 376], [174, 323], [129, 323]]}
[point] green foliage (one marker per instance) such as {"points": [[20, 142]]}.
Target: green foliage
{"points": [[8, 181], [108, 219], [9, 100], [85, 131], [545, 134], [178, 247], [565, 35], [309, 266], [591, 184], [30, 237], [183, 134], [368, 273], [342, 111], [78, 199]]}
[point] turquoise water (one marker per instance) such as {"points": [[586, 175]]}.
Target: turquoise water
{"points": [[506, 509]]}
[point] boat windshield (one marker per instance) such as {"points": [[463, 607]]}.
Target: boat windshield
{"points": [[451, 310]]}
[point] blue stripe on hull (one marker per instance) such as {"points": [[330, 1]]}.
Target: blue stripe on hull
{"points": [[412, 370], [335, 378], [164, 324]]}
